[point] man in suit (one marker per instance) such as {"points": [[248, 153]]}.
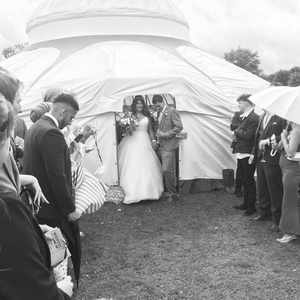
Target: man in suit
{"points": [[245, 135], [235, 123], [269, 177], [169, 125], [47, 157]]}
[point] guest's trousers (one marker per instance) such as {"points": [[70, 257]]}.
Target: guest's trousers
{"points": [[238, 179], [269, 190], [168, 159], [247, 174], [290, 217]]}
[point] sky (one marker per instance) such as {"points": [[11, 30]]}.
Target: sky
{"points": [[270, 27]]}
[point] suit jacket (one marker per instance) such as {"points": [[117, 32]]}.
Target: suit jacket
{"points": [[274, 126], [171, 125], [245, 134], [236, 121], [25, 271], [47, 157]]}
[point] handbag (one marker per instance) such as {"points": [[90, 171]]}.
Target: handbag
{"points": [[115, 194], [57, 246]]}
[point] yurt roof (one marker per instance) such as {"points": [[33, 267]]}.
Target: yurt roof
{"points": [[94, 17]]}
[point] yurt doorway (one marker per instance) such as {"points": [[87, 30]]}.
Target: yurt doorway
{"points": [[125, 124]]}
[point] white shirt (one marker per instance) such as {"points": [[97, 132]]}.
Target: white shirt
{"points": [[161, 114], [246, 113], [244, 116], [266, 120], [52, 118]]}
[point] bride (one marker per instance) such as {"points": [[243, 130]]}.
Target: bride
{"points": [[140, 169]]}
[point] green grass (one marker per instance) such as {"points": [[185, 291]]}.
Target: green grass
{"points": [[198, 248]]}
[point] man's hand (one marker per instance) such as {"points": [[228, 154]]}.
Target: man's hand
{"points": [[154, 144], [251, 159], [66, 285], [263, 143], [74, 216]]}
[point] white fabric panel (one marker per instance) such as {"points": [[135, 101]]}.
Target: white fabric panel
{"points": [[51, 10], [206, 151], [106, 137], [283, 101], [233, 80], [29, 65]]}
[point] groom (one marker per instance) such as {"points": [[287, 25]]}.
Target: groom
{"points": [[169, 125]]}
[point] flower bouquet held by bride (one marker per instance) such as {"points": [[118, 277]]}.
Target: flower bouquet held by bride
{"points": [[128, 123]]}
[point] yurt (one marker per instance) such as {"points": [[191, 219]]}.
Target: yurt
{"points": [[106, 51]]}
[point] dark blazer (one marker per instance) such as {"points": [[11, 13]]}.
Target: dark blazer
{"points": [[236, 121], [274, 126], [47, 157], [25, 272], [245, 134]]}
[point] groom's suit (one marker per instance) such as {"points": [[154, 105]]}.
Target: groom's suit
{"points": [[169, 126]]}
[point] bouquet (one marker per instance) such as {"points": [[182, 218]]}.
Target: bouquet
{"points": [[128, 124]]}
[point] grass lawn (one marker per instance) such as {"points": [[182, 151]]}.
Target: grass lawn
{"points": [[197, 248]]}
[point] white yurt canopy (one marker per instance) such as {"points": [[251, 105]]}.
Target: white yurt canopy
{"points": [[103, 68], [55, 19]]}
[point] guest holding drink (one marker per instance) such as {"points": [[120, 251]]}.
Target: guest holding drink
{"points": [[289, 163]]}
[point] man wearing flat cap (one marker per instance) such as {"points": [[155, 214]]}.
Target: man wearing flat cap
{"points": [[245, 136]]}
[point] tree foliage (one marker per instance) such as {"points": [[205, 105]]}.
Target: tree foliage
{"points": [[244, 58], [249, 60]]}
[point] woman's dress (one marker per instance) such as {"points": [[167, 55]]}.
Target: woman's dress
{"points": [[140, 168]]}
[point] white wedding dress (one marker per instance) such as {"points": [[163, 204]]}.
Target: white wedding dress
{"points": [[140, 169]]}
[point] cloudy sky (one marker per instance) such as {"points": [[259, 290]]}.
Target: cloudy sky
{"points": [[271, 27]]}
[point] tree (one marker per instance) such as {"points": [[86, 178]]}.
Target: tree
{"points": [[13, 50], [280, 77], [294, 79], [244, 58]]}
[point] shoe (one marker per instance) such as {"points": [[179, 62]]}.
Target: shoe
{"points": [[286, 238], [261, 218], [240, 207], [274, 228], [249, 212]]}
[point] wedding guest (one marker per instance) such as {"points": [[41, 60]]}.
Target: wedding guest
{"points": [[244, 135], [18, 136], [47, 156], [290, 218], [44, 107], [269, 177], [235, 123], [9, 174], [25, 269]]}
